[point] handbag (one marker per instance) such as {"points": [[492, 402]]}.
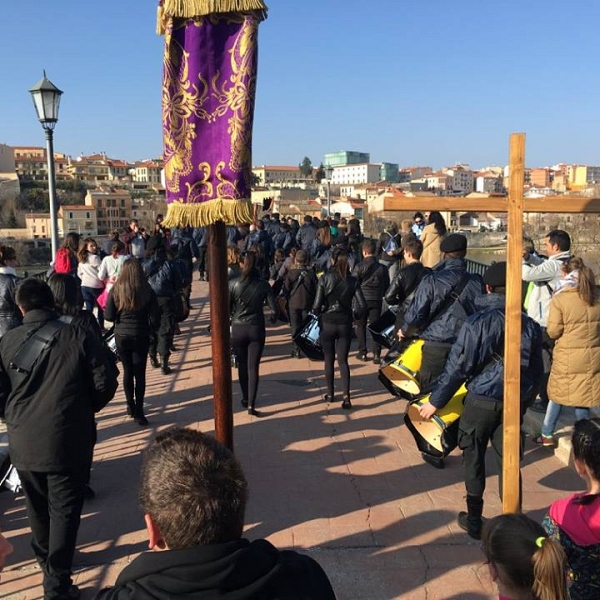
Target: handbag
{"points": [[102, 299]]}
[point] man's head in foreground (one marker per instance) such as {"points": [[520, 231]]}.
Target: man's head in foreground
{"points": [[193, 491]]}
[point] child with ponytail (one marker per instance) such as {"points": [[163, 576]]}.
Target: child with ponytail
{"points": [[523, 561], [575, 521]]}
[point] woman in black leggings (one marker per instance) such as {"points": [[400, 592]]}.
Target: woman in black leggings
{"points": [[133, 308], [247, 295], [335, 292]]}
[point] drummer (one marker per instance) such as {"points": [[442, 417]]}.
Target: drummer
{"points": [[477, 357], [442, 302], [400, 292]]}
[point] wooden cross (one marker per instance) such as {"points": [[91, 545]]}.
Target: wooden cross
{"points": [[515, 205]]}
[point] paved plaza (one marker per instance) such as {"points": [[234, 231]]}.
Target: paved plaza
{"points": [[348, 488]]}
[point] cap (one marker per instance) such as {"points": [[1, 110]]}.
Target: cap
{"points": [[455, 242]]}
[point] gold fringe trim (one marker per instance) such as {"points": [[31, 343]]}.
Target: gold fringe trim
{"points": [[187, 9], [231, 212]]}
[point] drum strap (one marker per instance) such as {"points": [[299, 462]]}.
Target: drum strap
{"points": [[298, 283], [369, 274], [451, 299]]}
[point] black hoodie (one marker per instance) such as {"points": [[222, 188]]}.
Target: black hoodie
{"points": [[239, 570]]}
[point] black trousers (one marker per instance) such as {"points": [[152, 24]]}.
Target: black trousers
{"points": [[480, 424], [432, 364], [248, 342], [54, 502], [373, 313], [133, 351], [335, 340], [297, 318], [162, 340]]}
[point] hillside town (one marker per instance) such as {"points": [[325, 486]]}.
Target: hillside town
{"points": [[99, 194]]}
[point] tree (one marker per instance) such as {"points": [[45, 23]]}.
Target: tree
{"points": [[306, 167], [255, 180], [320, 173]]}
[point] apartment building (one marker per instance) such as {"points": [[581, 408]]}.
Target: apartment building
{"points": [[92, 169], [31, 163], [277, 175], [460, 179], [38, 225], [78, 218], [408, 174], [540, 177], [356, 173], [488, 182], [438, 181], [147, 173], [113, 208]]}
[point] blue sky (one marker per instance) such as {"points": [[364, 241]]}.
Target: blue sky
{"points": [[424, 82]]}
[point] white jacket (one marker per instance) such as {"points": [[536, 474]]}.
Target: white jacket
{"points": [[544, 274], [88, 272]]}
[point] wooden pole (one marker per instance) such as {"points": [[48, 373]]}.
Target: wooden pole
{"points": [[220, 334], [511, 496]]}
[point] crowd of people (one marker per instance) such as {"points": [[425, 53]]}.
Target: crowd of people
{"points": [[323, 269]]}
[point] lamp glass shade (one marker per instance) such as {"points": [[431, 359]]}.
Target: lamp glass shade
{"points": [[328, 172], [46, 99]]}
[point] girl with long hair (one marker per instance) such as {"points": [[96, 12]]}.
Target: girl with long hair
{"points": [[133, 308], [88, 271], [65, 260], [431, 236], [336, 291], [523, 561], [10, 315], [247, 295], [574, 522], [574, 324]]}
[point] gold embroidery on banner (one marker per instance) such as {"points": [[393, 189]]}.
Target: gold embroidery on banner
{"points": [[182, 99]]}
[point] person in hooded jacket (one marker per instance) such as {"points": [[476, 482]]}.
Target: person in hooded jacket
{"points": [[193, 495], [165, 280], [10, 315], [247, 295], [336, 291]]}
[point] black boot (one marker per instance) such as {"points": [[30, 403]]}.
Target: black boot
{"points": [[154, 361], [471, 521], [166, 369]]}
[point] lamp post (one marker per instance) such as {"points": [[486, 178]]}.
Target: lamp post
{"points": [[46, 99], [328, 174]]}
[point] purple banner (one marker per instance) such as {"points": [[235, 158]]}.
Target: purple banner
{"points": [[209, 86]]}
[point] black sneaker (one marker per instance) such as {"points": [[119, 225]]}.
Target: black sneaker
{"points": [[141, 421], [362, 356], [539, 406], [377, 360], [473, 527]]}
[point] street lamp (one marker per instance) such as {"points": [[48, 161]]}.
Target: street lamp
{"points": [[328, 174], [46, 98]]}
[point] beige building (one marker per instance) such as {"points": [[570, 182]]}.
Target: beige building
{"points": [[278, 175], [147, 173], [38, 225], [78, 218], [113, 208], [31, 163]]}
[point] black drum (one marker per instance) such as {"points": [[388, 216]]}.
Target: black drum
{"points": [[307, 339], [382, 329]]}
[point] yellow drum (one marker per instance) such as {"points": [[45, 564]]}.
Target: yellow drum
{"points": [[438, 435], [404, 371]]}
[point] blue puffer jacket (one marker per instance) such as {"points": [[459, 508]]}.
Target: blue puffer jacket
{"points": [[475, 357], [433, 292]]}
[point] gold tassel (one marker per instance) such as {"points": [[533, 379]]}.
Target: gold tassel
{"points": [[197, 8], [161, 20], [231, 212]]}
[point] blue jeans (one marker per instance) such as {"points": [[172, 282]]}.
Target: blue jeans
{"points": [[90, 295], [553, 413]]}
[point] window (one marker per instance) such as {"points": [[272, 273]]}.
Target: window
{"points": [[70, 215]]}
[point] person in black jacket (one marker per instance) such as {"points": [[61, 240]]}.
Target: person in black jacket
{"points": [[306, 234], [374, 280], [10, 315], [193, 495], [165, 280], [335, 293], [477, 358], [49, 404], [133, 308], [300, 288], [247, 295], [401, 290]]}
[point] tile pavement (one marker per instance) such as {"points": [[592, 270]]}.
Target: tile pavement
{"points": [[348, 488]]}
